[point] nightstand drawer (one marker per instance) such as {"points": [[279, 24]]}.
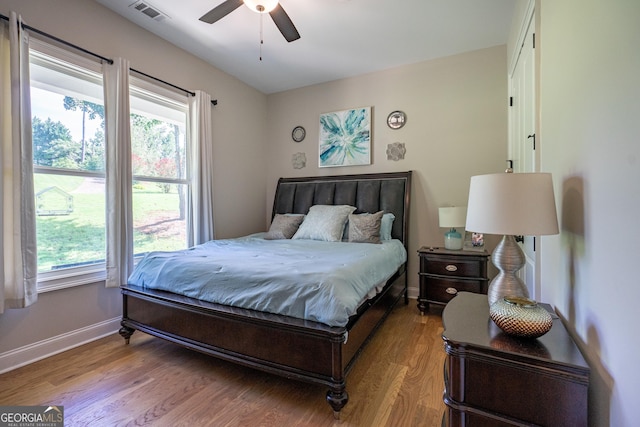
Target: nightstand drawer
{"points": [[453, 266], [443, 289], [443, 273]]}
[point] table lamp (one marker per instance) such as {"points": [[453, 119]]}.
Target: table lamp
{"points": [[511, 204], [452, 217]]}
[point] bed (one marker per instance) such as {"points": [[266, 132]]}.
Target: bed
{"points": [[293, 347]]}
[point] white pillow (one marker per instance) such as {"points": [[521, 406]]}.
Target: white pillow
{"points": [[324, 222]]}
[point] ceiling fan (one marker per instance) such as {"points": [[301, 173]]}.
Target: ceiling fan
{"points": [[272, 7]]}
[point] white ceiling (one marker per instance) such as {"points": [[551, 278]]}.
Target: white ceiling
{"points": [[339, 38]]}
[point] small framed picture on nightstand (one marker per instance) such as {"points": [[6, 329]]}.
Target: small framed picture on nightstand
{"points": [[473, 242]]}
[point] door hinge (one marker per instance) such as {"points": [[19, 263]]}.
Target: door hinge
{"points": [[511, 101], [533, 135], [534, 40], [520, 239]]}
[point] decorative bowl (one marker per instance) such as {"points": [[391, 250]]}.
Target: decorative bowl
{"points": [[521, 317]]}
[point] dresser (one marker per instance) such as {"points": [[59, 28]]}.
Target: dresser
{"points": [[444, 273], [493, 379]]}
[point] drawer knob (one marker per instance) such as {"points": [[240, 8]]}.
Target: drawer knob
{"points": [[451, 267], [452, 291]]}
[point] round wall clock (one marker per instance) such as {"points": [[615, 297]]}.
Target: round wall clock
{"points": [[396, 119], [298, 133]]}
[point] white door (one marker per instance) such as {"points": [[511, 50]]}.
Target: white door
{"points": [[522, 139]]}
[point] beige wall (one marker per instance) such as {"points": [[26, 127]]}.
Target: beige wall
{"points": [[589, 125], [589, 110], [238, 126], [456, 127]]}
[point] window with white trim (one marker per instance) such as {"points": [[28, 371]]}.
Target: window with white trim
{"points": [[69, 166], [160, 167], [67, 110]]}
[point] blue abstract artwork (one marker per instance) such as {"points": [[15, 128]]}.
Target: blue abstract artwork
{"points": [[345, 138]]}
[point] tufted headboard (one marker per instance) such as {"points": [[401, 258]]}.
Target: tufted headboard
{"points": [[368, 193]]}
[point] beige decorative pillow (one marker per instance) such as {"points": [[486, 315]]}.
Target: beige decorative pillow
{"points": [[283, 226], [324, 222], [365, 228]]}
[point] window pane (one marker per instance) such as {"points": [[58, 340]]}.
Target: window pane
{"points": [[158, 158], [68, 118], [70, 221], [68, 134], [159, 217], [158, 147]]}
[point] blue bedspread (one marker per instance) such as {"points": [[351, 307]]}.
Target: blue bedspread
{"points": [[320, 281]]}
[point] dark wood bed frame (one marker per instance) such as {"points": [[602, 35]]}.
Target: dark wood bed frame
{"points": [[293, 348]]}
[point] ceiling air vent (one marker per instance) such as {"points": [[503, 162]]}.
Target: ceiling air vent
{"points": [[149, 10]]}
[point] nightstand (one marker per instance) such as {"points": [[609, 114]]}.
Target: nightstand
{"points": [[444, 273], [493, 379]]}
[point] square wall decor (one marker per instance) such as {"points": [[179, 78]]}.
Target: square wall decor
{"points": [[345, 138]]}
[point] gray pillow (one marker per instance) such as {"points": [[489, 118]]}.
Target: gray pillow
{"points": [[283, 226], [365, 228], [385, 227], [324, 222]]}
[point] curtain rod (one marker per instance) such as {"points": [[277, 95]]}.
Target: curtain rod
{"points": [[110, 61], [64, 42], [213, 101]]}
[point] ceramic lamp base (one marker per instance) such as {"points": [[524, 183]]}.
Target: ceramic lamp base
{"points": [[453, 240]]}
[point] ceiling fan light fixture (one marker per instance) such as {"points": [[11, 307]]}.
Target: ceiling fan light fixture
{"points": [[261, 6]]}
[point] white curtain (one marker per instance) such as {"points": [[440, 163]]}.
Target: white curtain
{"points": [[201, 156], [19, 259], [118, 171]]}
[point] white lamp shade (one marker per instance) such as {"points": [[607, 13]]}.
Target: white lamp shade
{"points": [[512, 204], [268, 5], [452, 217]]}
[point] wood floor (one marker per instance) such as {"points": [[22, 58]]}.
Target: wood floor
{"points": [[397, 381]]}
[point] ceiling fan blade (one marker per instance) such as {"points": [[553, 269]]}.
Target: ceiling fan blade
{"points": [[220, 11], [284, 23]]}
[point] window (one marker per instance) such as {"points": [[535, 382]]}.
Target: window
{"points": [[160, 168], [68, 156], [69, 167]]}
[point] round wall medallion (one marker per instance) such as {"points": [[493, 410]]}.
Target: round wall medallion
{"points": [[396, 151], [396, 119], [298, 133]]}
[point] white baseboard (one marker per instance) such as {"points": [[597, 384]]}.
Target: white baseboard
{"points": [[22, 356]]}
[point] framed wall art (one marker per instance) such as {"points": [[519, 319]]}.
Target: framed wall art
{"points": [[345, 138], [473, 242]]}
